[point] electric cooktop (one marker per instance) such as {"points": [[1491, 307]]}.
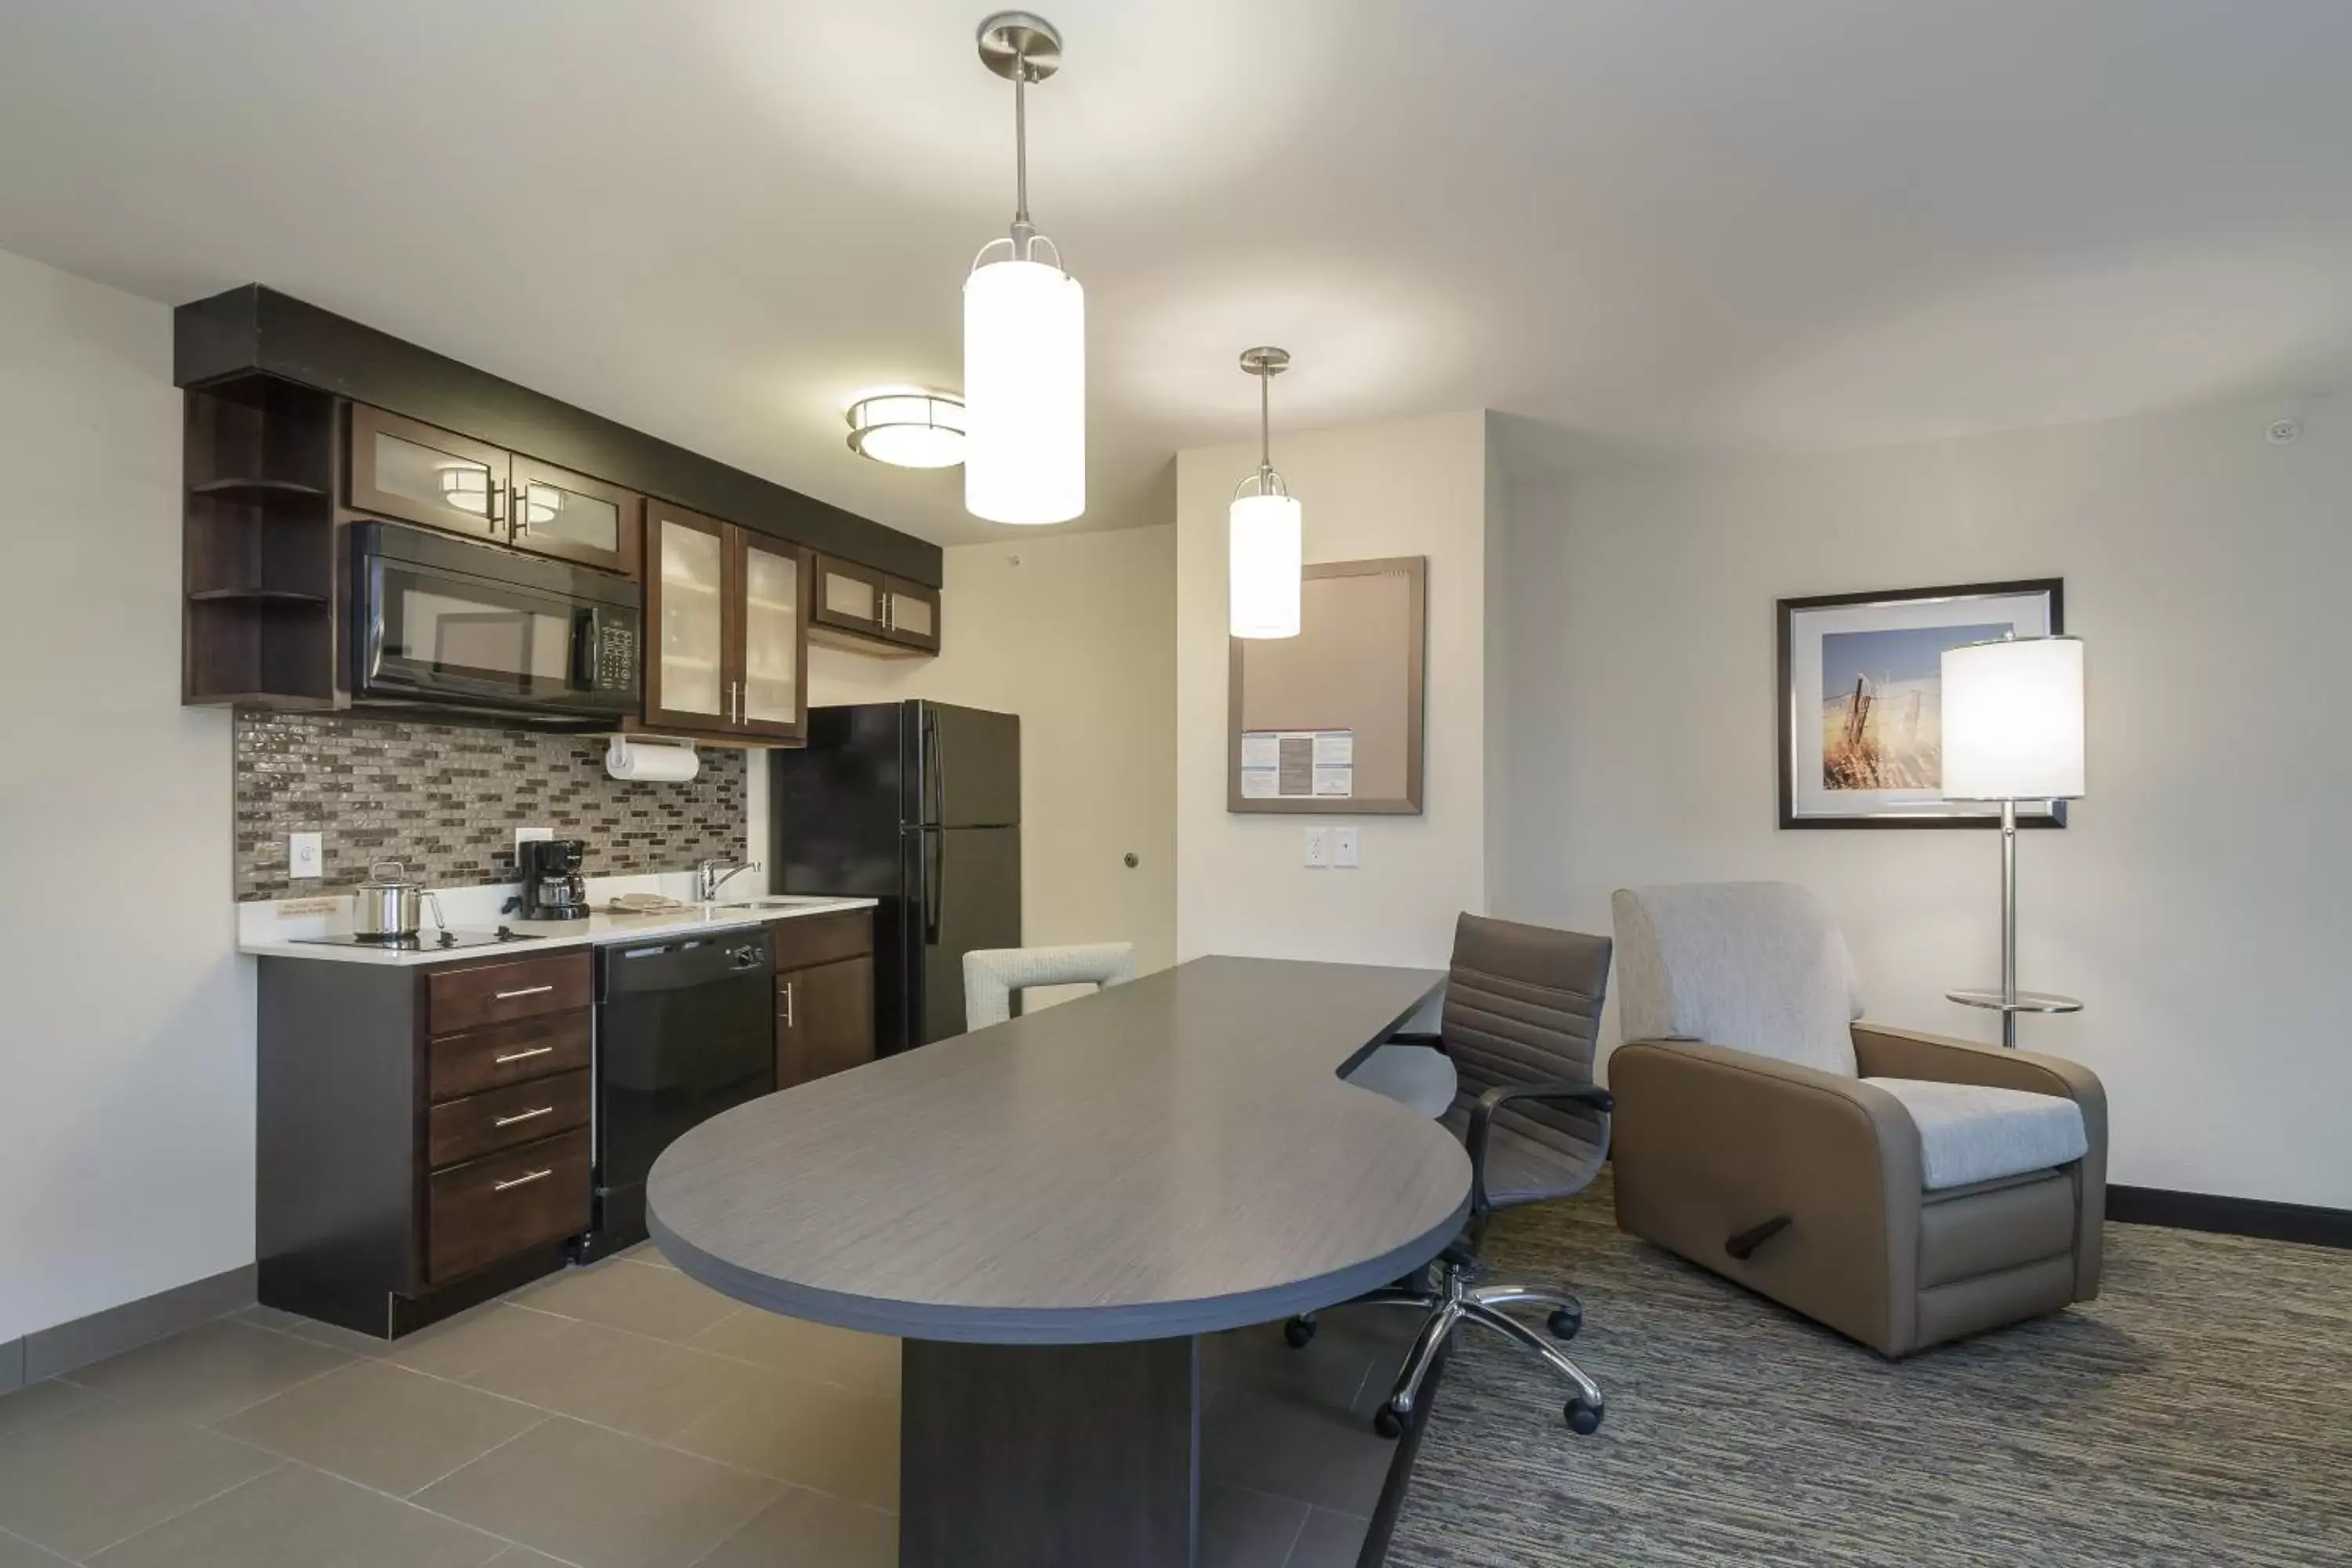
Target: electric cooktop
{"points": [[442, 941]]}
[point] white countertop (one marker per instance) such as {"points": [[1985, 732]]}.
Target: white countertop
{"points": [[275, 930]]}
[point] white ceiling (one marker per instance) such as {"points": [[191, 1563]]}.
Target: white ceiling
{"points": [[1674, 222]]}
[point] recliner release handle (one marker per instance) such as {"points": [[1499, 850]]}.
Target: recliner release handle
{"points": [[1743, 1244]]}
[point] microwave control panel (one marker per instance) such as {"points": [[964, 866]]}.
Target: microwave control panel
{"points": [[616, 658]]}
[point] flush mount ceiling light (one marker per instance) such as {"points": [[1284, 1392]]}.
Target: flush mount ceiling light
{"points": [[908, 428], [1264, 530], [1024, 329]]}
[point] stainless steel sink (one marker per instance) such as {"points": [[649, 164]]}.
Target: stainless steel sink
{"points": [[780, 901]]}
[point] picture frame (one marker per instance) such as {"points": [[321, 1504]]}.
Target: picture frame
{"points": [[1858, 707]]}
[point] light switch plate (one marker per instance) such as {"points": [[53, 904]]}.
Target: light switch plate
{"points": [[1318, 848], [1343, 848], [306, 855], [527, 834]]}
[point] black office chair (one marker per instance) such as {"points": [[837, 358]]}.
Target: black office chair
{"points": [[1522, 1008]]}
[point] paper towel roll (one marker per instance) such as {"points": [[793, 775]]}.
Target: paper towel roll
{"points": [[660, 762]]}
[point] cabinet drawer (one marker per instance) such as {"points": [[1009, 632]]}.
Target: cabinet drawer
{"points": [[494, 993], [480, 1212], [822, 939], [482, 1124], [510, 1053]]}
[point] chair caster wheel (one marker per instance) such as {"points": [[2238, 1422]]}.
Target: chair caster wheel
{"points": [[1564, 1323], [1386, 1423], [1297, 1331], [1583, 1418]]}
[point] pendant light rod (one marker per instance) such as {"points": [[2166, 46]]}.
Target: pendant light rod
{"points": [[1022, 47], [1266, 363], [1020, 145]]}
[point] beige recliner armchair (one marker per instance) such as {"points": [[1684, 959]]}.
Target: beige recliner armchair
{"points": [[1902, 1188]]}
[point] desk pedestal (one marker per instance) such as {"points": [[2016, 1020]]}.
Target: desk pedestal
{"points": [[1049, 1456]]}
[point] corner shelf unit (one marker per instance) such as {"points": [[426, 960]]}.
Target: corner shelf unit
{"points": [[258, 544]]}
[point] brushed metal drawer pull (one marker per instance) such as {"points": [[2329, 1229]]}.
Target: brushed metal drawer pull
{"points": [[525, 1056], [526, 990], [524, 1180], [524, 1116]]}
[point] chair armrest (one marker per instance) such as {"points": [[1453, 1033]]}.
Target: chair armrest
{"points": [[1482, 1122], [1907, 1053], [1711, 1144]]}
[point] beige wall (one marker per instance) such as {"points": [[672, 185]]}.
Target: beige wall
{"points": [[1076, 633], [1414, 487], [2198, 901], [126, 1041]]}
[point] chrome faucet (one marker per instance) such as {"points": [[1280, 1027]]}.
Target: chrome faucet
{"points": [[713, 873]]}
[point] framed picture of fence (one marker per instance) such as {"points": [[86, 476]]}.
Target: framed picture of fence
{"points": [[1859, 714]]}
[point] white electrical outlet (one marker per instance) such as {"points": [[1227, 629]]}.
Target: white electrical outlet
{"points": [[1343, 848], [1318, 847], [531, 834], [306, 855]]}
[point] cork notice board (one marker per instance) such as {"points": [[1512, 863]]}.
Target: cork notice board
{"points": [[1329, 720]]}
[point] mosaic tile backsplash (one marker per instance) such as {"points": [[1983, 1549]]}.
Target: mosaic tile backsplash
{"points": [[445, 800]]}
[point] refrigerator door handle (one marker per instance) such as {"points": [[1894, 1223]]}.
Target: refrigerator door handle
{"points": [[934, 884], [935, 790]]}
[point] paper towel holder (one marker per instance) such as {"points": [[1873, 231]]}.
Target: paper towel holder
{"points": [[626, 756]]}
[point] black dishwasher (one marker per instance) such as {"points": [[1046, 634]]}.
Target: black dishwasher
{"points": [[684, 1028]]}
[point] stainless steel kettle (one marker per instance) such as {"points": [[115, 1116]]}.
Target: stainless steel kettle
{"points": [[389, 903]]}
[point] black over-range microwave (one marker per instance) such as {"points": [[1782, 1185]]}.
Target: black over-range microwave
{"points": [[446, 622]]}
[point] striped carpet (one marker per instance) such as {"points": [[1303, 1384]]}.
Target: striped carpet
{"points": [[2199, 1412]]}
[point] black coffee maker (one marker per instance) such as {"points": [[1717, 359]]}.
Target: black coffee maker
{"points": [[552, 887]]}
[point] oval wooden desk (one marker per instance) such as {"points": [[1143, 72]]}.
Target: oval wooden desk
{"points": [[1050, 1211]]}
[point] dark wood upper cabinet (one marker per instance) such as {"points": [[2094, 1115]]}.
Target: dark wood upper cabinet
{"points": [[867, 611], [770, 596], [420, 473], [848, 597], [728, 609], [910, 614], [400, 468], [555, 512]]}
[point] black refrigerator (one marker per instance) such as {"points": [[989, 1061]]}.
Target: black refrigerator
{"points": [[917, 805]]}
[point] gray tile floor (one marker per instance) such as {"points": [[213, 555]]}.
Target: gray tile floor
{"points": [[618, 1416]]}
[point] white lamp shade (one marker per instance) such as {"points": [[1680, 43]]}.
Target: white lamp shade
{"points": [[1264, 545], [2012, 720], [1025, 393]]}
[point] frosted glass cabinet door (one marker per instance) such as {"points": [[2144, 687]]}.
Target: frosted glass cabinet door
{"points": [[558, 512], [847, 595], [772, 576], [686, 681], [400, 468]]}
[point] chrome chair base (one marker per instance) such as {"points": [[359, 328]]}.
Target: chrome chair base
{"points": [[1456, 1300]]}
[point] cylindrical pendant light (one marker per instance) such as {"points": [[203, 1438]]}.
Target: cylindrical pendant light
{"points": [[1263, 535], [1025, 330]]}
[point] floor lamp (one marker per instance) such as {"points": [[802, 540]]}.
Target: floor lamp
{"points": [[2012, 731]]}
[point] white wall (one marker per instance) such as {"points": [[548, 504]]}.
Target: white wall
{"points": [[1415, 487], [2198, 901], [126, 1041], [1076, 633]]}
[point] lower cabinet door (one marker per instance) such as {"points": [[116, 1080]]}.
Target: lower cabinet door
{"points": [[824, 1019], [480, 1212]]}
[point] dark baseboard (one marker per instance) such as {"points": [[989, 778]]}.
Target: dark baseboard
{"points": [[2230, 1217], [46, 1352]]}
